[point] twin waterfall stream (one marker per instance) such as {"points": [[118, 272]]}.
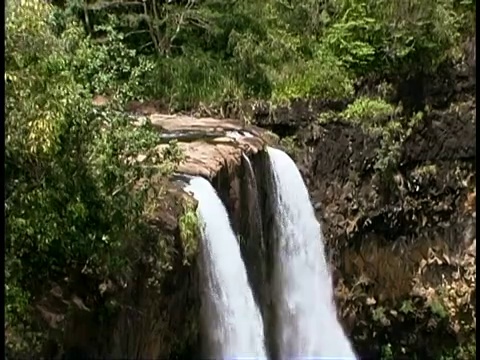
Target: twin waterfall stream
{"points": [[306, 325]]}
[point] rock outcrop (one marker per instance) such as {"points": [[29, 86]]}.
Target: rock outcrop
{"points": [[208, 144], [153, 314]]}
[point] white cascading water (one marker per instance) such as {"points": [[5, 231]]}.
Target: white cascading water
{"points": [[307, 324], [230, 318]]}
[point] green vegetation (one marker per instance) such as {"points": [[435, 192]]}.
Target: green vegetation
{"points": [[367, 110], [289, 144], [209, 52], [379, 118], [75, 194], [464, 352], [76, 198], [189, 231]]}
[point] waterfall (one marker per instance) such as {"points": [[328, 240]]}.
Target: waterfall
{"points": [[307, 324], [231, 322]]}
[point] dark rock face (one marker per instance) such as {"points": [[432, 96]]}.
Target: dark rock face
{"points": [[444, 136], [400, 244], [245, 192], [339, 157], [403, 243], [285, 121]]}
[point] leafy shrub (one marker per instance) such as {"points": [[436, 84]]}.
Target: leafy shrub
{"points": [[107, 67], [366, 109], [208, 52]]}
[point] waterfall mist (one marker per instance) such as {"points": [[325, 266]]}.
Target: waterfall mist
{"points": [[232, 327], [306, 318]]}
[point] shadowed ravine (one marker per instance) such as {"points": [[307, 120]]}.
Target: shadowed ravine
{"points": [[306, 323]]}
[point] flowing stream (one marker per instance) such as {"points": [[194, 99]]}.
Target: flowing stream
{"points": [[307, 324], [231, 322]]}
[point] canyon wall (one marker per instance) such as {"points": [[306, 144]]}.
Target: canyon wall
{"points": [[398, 212]]}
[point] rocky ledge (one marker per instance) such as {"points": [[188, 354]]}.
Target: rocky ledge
{"points": [[209, 144]]}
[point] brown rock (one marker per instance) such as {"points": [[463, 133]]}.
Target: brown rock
{"points": [[206, 157]]}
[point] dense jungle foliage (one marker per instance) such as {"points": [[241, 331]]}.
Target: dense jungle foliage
{"points": [[74, 193]]}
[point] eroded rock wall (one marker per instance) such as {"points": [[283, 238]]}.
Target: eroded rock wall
{"points": [[399, 244], [403, 242], [247, 191]]}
